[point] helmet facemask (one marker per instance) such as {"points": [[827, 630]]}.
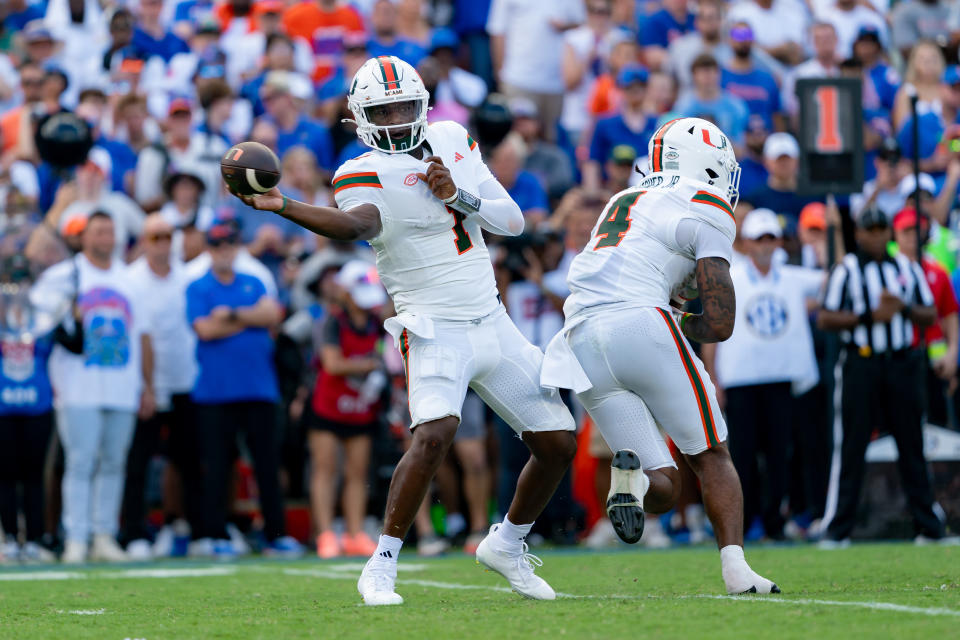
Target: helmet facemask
{"points": [[392, 138]]}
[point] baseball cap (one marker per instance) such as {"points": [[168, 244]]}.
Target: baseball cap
{"points": [[632, 73], [741, 33], [74, 225], [522, 107], [37, 31], [100, 158], [780, 144], [623, 154], [906, 218], [889, 150], [362, 282], [444, 38], [909, 184], [813, 216], [872, 217], [759, 223], [868, 32], [179, 105], [223, 231]]}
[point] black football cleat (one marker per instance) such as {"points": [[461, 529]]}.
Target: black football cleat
{"points": [[628, 485]]}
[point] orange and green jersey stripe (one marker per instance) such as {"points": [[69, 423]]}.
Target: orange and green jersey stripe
{"points": [[362, 179], [471, 142], [389, 72], [656, 162], [693, 374], [705, 197]]}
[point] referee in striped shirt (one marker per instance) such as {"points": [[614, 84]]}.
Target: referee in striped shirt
{"points": [[874, 301]]}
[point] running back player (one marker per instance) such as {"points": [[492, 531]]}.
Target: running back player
{"points": [[625, 353], [421, 197]]}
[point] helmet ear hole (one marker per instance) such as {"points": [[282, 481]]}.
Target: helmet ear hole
{"points": [[713, 174], [690, 130]]}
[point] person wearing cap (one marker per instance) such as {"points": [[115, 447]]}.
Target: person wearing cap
{"points": [[766, 362], [632, 126], [880, 79], [812, 234], [883, 190], [742, 77], [874, 301], [293, 126], [781, 157], [619, 168], [707, 99], [236, 389], [100, 391], [941, 338], [174, 372], [455, 83], [344, 407]]}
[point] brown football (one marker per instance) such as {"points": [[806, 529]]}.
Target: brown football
{"points": [[250, 168]]}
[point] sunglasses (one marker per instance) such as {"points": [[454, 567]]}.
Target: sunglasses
{"points": [[157, 237], [220, 242]]}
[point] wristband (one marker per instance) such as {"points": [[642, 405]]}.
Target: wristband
{"points": [[284, 207], [453, 198], [683, 320], [464, 202]]}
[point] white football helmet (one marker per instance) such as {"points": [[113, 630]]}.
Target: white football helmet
{"points": [[695, 148], [388, 80]]}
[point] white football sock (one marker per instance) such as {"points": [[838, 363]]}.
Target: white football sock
{"points": [[509, 536], [737, 574], [388, 549]]}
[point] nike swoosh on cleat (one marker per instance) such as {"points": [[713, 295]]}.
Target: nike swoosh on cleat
{"points": [[752, 589]]}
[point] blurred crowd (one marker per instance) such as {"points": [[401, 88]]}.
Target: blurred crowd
{"points": [[150, 320]]}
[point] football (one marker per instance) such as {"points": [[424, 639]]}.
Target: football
{"points": [[250, 168]]}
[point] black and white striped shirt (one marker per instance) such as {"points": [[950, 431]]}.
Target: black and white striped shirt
{"points": [[858, 280]]}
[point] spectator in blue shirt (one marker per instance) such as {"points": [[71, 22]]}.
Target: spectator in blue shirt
{"points": [[632, 126], [753, 173], [470, 23], [188, 14], [658, 30], [383, 22], [236, 390], [709, 101], [19, 13], [151, 36], [881, 81], [755, 86], [781, 156], [294, 128]]}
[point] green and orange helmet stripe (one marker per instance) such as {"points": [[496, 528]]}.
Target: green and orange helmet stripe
{"points": [[656, 156], [388, 71]]}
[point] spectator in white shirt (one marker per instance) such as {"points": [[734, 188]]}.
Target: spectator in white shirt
{"points": [[779, 25], [526, 40], [823, 64], [98, 392], [174, 372], [848, 17]]}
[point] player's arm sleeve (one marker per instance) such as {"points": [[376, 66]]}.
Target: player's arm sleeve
{"points": [[498, 212], [704, 240]]}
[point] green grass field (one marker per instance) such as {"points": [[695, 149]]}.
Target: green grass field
{"points": [[877, 590]]}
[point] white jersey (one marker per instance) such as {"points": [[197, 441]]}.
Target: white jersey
{"points": [[646, 243], [431, 260]]}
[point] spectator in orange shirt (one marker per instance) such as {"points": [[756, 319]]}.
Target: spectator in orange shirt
{"points": [[31, 85], [605, 97], [323, 23]]}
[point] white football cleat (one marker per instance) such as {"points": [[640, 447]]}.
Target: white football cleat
{"points": [[741, 580], [74, 552], [106, 549], [376, 583], [517, 568], [628, 486]]}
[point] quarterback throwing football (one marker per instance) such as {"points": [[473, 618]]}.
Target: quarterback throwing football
{"points": [[421, 197], [624, 348]]}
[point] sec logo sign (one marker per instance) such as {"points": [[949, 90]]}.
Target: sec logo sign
{"points": [[411, 179]]}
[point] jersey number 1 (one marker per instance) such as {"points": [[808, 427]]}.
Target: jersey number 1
{"points": [[617, 223], [461, 237]]}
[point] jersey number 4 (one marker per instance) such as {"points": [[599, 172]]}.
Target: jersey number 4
{"points": [[616, 224], [460, 236]]}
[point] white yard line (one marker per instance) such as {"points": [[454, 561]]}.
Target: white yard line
{"points": [[880, 606], [40, 575], [84, 612], [199, 572]]}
